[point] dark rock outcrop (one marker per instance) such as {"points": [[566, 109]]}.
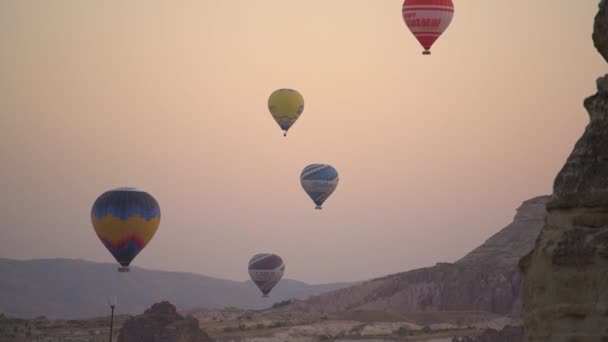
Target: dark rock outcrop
{"points": [[162, 323], [487, 279], [566, 275], [600, 30], [582, 182]]}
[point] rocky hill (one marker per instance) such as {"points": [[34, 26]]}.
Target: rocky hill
{"points": [[486, 280], [64, 288]]}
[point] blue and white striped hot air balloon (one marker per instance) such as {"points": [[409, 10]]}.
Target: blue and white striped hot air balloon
{"points": [[319, 181]]}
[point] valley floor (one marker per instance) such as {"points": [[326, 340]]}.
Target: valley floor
{"points": [[233, 325], [248, 326]]}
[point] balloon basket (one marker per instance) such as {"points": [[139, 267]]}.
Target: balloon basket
{"points": [[318, 207], [285, 134], [426, 52], [265, 296], [123, 269]]}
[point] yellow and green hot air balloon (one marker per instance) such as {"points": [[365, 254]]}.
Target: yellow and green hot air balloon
{"points": [[125, 220], [285, 105]]}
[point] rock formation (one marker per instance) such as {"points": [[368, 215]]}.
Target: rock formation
{"points": [[162, 323], [600, 30], [566, 275], [486, 279], [514, 241]]}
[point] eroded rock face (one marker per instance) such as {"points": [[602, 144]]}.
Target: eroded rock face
{"points": [[514, 241], [600, 30], [582, 182], [487, 279], [162, 323], [566, 275]]}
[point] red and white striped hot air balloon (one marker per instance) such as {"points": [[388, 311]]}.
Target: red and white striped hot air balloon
{"points": [[427, 19]]}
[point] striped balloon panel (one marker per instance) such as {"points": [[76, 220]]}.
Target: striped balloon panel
{"points": [[427, 19], [124, 203], [286, 106], [266, 270], [125, 220], [319, 181]]}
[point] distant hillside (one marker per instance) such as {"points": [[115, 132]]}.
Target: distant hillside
{"points": [[65, 288], [485, 280]]}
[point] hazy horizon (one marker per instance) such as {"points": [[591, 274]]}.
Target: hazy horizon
{"points": [[434, 153]]}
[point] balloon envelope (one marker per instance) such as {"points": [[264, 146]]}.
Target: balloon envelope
{"points": [[125, 220], [285, 105], [319, 181], [266, 270], [427, 19]]}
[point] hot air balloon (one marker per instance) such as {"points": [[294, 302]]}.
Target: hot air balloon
{"points": [[427, 19], [319, 181], [125, 220], [285, 105], [266, 270]]}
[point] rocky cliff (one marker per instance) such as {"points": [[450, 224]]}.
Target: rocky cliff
{"points": [[487, 279], [162, 323], [566, 276], [600, 30]]}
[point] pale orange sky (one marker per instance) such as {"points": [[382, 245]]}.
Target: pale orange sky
{"points": [[434, 152]]}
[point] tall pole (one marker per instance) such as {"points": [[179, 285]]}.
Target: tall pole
{"points": [[111, 321]]}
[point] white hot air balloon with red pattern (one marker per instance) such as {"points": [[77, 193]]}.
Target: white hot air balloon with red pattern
{"points": [[427, 19]]}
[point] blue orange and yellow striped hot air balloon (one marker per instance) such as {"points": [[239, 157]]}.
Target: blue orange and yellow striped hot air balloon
{"points": [[125, 220]]}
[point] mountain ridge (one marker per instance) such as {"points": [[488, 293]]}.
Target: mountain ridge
{"points": [[487, 279], [35, 287]]}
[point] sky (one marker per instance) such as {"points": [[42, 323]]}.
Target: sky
{"points": [[434, 153]]}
